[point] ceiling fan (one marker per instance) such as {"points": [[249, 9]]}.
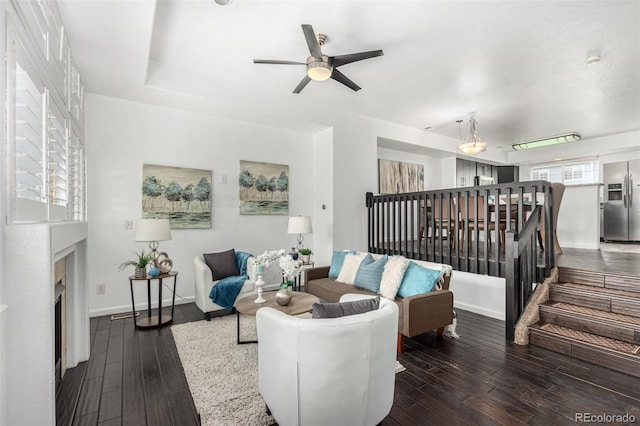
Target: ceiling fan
{"points": [[322, 67]]}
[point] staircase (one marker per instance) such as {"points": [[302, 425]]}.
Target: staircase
{"points": [[594, 317]]}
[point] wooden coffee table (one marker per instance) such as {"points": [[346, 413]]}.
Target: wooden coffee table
{"points": [[300, 303]]}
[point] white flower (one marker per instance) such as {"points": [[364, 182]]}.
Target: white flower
{"points": [[290, 267], [269, 256]]}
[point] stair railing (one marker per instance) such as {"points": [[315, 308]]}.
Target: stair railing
{"points": [[521, 267], [465, 227]]}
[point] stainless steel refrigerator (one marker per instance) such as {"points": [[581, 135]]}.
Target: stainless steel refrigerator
{"points": [[622, 201]]}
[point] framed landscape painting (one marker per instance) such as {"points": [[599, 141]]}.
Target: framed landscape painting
{"points": [[264, 188], [179, 194], [397, 177]]}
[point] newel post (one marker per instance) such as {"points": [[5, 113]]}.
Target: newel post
{"points": [[512, 275]]}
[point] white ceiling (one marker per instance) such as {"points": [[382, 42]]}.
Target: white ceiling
{"points": [[518, 66]]}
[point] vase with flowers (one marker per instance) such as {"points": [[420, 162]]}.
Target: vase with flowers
{"points": [[262, 261], [290, 270]]}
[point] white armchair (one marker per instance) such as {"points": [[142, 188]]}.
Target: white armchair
{"points": [[338, 371], [204, 283]]}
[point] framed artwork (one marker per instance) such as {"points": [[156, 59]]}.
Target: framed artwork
{"points": [[179, 194], [396, 177], [264, 188]]}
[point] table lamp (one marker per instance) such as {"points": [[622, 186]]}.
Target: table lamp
{"points": [[154, 230], [299, 225]]}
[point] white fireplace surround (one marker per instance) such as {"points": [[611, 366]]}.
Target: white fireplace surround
{"points": [[28, 336]]}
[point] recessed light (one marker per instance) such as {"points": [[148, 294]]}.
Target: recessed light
{"points": [[427, 128], [223, 2]]}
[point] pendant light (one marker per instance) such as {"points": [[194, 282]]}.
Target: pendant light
{"points": [[472, 144]]}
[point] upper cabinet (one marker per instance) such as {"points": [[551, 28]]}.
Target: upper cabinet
{"points": [[44, 117]]}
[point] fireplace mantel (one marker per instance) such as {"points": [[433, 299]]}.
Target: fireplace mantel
{"points": [[29, 294]]}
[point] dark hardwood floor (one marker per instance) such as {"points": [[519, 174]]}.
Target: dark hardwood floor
{"points": [[134, 377]]}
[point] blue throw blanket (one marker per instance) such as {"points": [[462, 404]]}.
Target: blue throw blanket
{"points": [[226, 291]]}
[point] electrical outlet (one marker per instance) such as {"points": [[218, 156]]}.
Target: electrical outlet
{"points": [[100, 288], [128, 224]]}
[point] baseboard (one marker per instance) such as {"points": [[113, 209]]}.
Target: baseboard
{"points": [[139, 307], [594, 246], [478, 310]]}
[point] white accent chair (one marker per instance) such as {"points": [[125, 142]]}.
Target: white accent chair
{"points": [[204, 283], [337, 371]]}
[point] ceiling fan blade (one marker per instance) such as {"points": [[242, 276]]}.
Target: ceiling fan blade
{"points": [[354, 57], [302, 84], [312, 41], [341, 78], [277, 62]]}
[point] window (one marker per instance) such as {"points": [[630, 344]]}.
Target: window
{"points": [[542, 174], [76, 177], [570, 173], [45, 162], [56, 144], [25, 130]]}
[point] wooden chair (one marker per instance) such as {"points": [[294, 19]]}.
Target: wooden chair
{"points": [[468, 217], [442, 221]]}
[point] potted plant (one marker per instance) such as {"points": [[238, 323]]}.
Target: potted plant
{"points": [[140, 264], [305, 255]]}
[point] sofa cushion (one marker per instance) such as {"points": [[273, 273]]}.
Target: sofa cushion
{"points": [[418, 280], [350, 266], [343, 309], [369, 274], [337, 260], [330, 290], [222, 264], [392, 276]]}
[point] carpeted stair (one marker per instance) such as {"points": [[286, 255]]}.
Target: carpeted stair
{"points": [[594, 317]]}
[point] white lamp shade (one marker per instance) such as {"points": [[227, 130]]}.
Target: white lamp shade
{"points": [[299, 225], [153, 230]]}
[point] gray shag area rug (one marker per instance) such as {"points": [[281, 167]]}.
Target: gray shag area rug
{"points": [[222, 375]]}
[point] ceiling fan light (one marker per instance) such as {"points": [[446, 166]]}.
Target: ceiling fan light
{"points": [[553, 140], [319, 70]]}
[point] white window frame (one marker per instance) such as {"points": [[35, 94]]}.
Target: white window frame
{"points": [[573, 165]]}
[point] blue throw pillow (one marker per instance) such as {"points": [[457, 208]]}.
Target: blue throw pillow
{"points": [[370, 273], [418, 280], [336, 262]]}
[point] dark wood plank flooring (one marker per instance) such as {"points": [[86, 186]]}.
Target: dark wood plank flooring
{"points": [[134, 377]]}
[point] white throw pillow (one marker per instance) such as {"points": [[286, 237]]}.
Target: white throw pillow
{"points": [[350, 267], [392, 276]]}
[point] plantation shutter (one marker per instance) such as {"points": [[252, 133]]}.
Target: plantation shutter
{"points": [[26, 99], [57, 169], [76, 177]]}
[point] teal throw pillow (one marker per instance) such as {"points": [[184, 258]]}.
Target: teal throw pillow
{"points": [[369, 274], [336, 262], [418, 280]]}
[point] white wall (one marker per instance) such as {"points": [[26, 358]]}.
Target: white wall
{"points": [[122, 136], [482, 294], [323, 207]]}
